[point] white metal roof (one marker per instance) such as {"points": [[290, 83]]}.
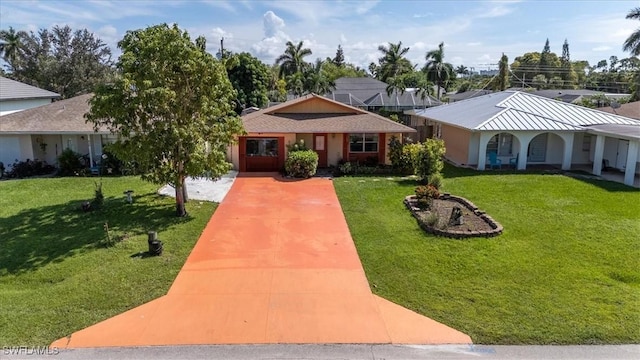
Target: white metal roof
{"points": [[15, 90], [514, 110]]}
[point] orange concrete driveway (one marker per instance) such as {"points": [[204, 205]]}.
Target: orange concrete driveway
{"points": [[275, 264]]}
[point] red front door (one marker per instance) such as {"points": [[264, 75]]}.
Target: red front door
{"points": [[320, 146]]}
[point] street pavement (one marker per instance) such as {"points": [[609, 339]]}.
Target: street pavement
{"points": [[333, 352]]}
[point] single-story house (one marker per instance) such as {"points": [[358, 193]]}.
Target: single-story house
{"points": [[575, 96], [471, 93], [16, 96], [334, 130], [43, 132], [630, 110], [525, 129]]}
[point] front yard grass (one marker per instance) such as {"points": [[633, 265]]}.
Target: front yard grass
{"points": [[566, 270], [58, 276]]}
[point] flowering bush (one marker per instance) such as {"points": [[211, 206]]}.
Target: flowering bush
{"points": [[301, 163]]}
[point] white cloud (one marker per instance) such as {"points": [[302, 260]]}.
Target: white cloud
{"points": [[272, 45], [218, 33], [601, 48], [476, 43], [273, 25], [343, 39]]}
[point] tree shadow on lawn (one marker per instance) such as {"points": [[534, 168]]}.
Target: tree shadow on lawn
{"points": [[36, 237]]}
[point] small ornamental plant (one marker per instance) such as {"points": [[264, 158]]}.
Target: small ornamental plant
{"points": [[425, 195]]}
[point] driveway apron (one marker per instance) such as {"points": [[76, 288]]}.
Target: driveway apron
{"points": [[275, 264]]}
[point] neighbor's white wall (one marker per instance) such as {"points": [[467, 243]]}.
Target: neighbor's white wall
{"points": [[555, 149], [15, 147], [610, 150], [580, 156], [11, 106]]}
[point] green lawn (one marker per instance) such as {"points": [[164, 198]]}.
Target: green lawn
{"points": [[566, 270], [57, 275]]}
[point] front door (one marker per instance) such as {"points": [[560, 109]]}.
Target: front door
{"points": [[623, 150], [320, 147]]}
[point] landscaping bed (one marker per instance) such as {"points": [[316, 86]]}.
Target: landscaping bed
{"points": [[437, 218]]}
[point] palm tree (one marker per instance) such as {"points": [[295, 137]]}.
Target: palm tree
{"points": [[632, 44], [393, 62], [292, 61], [462, 70], [437, 70], [11, 45], [316, 80]]}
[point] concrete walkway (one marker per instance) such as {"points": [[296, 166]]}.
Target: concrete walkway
{"points": [[275, 264]]}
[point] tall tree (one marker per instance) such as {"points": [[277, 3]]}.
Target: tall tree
{"points": [[462, 70], [316, 80], [292, 60], [502, 80], [393, 62], [172, 105], [250, 78], [567, 72], [632, 44], [63, 60], [11, 46], [437, 69], [545, 61], [338, 60]]}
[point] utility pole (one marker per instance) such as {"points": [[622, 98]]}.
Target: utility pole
{"points": [[222, 48]]}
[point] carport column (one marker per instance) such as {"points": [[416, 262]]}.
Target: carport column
{"points": [[524, 138], [90, 151], [632, 158], [598, 154], [482, 149], [568, 150]]}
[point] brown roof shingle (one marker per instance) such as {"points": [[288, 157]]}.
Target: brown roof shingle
{"points": [[343, 119], [60, 117]]}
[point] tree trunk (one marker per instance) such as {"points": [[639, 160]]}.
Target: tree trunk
{"points": [[180, 210], [185, 195]]}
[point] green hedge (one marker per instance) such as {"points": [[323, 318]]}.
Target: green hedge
{"points": [[301, 164]]}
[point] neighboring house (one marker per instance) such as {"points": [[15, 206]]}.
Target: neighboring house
{"points": [[529, 130], [630, 110], [334, 130], [371, 94], [16, 96], [467, 94], [575, 96], [43, 132]]}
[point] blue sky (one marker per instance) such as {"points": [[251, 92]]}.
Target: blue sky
{"points": [[475, 32]]}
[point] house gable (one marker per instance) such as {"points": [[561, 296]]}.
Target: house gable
{"points": [[314, 105]]}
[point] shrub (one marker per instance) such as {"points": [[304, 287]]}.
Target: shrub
{"points": [[425, 196], [410, 156], [435, 180], [69, 163], [22, 169], [346, 168], [301, 163], [429, 158], [110, 161], [432, 219], [428, 191]]}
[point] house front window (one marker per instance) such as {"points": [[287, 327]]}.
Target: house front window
{"points": [[502, 144], [262, 147], [363, 143]]}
